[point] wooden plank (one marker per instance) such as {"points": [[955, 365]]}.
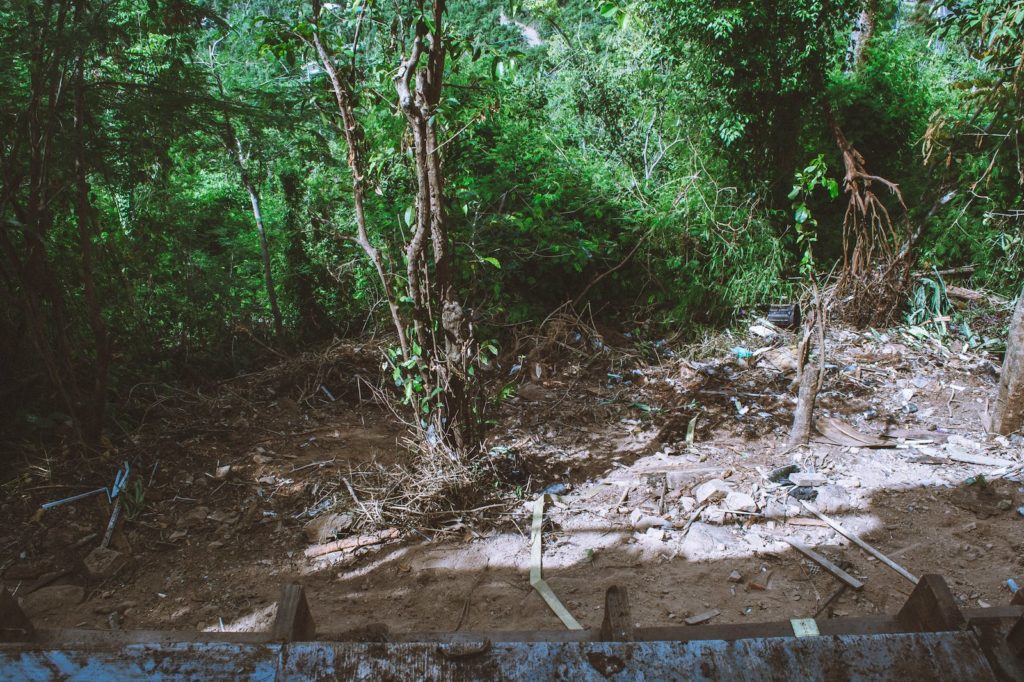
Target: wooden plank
{"points": [[293, 622], [854, 538], [826, 564], [931, 607], [618, 622]]}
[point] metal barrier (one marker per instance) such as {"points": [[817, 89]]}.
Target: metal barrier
{"points": [[929, 638]]}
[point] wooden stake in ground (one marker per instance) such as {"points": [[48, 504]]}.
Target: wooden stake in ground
{"points": [[810, 377], [1008, 416]]}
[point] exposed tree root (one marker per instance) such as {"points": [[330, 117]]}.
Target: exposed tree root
{"points": [[876, 268]]}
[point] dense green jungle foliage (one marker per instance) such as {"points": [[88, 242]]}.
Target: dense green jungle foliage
{"points": [[176, 198]]}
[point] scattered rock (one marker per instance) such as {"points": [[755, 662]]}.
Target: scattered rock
{"points": [[120, 607], [833, 498], [705, 540], [223, 517], [761, 582], [262, 459], [104, 562], [656, 534], [735, 577], [702, 617], [803, 493], [711, 491], [1005, 505], [194, 517], [326, 527], [533, 393], [223, 472], [782, 473], [49, 599], [783, 359], [642, 521], [805, 479], [736, 501]]}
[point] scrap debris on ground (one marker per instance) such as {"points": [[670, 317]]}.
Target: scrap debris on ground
{"points": [[668, 470]]}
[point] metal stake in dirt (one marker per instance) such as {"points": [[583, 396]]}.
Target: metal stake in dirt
{"points": [[120, 479]]}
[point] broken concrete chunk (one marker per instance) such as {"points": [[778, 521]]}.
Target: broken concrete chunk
{"points": [[712, 491], [782, 509], [735, 577], [50, 599], [743, 502], [104, 562], [801, 479], [656, 534], [833, 498]]}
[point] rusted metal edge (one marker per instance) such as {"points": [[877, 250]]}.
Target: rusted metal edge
{"points": [[942, 655]]}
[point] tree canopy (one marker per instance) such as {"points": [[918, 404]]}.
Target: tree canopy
{"points": [[187, 186]]}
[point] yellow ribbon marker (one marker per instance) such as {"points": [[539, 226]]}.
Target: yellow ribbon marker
{"points": [[536, 580]]}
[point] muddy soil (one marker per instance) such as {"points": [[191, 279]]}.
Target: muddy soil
{"points": [[224, 482]]}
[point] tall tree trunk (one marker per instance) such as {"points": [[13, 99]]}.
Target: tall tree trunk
{"points": [[451, 356], [1008, 416], [447, 412]]}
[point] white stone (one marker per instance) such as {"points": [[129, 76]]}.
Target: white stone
{"points": [[736, 501], [711, 491], [808, 478]]}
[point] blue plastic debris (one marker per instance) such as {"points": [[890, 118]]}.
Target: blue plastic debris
{"points": [[555, 489], [120, 479], [1020, 510], [1012, 584], [742, 353]]}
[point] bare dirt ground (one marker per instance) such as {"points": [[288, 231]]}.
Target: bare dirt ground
{"points": [[633, 431]]}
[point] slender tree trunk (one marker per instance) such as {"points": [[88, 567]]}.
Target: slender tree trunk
{"points": [[234, 147], [453, 354], [257, 215], [353, 140], [1008, 416], [445, 348]]}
